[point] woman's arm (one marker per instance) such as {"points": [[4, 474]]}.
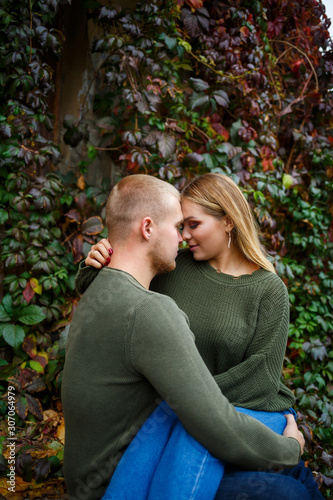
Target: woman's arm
{"points": [[256, 382], [98, 257], [84, 276]]}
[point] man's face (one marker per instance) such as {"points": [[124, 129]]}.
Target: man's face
{"points": [[167, 238]]}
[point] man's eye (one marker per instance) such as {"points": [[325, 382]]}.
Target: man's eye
{"points": [[181, 228]]}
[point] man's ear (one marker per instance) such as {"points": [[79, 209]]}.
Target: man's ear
{"points": [[146, 228]]}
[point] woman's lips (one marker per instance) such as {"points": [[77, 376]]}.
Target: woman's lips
{"points": [[193, 247]]}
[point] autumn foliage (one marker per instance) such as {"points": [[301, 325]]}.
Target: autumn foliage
{"points": [[243, 88]]}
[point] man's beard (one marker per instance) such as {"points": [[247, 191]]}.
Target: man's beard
{"points": [[158, 262]]}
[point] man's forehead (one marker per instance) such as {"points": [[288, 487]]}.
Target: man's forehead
{"points": [[175, 210]]}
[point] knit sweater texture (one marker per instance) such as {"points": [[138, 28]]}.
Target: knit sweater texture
{"points": [[127, 348], [240, 327]]}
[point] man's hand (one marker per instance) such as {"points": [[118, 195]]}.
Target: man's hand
{"points": [[291, 430], [100, 254]]}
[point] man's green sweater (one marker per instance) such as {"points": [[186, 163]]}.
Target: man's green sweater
{"points": [[127, 348], [240, 327]]}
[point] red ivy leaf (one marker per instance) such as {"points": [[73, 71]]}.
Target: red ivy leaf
{"points": [[28, 292], [191, 25], [81, 200], [73, 215], [221, 130], [30, 346], [307, 431], [34, 406], [196, 4], [42, 469], [36, 385], [267, 165], [16, 383], [26, 376], [92, 226], [77, 248]]}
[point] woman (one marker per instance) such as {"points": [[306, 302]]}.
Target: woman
{"points": [[237, 306]]}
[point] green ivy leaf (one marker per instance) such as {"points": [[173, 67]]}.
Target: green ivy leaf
{"points": [[7, 303], [198, 100], [170, 42], [234, 131], [209, 160], [13, 335], [5, 130], [36, 366], [92, 152], [4, 316], [166, 145], [221, 98], [198, 85], [31, 315]]}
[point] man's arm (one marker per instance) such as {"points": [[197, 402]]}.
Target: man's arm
{"points": [[163, 350]]}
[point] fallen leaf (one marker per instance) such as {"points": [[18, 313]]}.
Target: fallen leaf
{"points": [[61, 432], [49, 414]]}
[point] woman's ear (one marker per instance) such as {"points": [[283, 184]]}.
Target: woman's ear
{"points": [[146, 228], [229, 225]]}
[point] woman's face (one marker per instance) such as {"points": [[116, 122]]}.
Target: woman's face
{"points": [[206, 236]]}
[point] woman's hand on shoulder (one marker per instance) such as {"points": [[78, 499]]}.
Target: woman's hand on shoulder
{"points": [[100, 254]]}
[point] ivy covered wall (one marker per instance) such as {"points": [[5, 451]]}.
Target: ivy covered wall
{"points": [[173, 89]]}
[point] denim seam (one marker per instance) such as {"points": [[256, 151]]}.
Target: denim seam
{"points": [[199, 476]]}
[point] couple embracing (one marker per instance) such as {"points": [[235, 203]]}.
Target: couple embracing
{"points": [[172, 381]]}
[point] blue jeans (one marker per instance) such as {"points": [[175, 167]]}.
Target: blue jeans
{"points": [[289, 484], [164, 462]]}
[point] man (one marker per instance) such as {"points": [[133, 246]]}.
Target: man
{"points": [[128, 347]]}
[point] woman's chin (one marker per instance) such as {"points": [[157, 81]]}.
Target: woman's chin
{"points": [[198, 257]]}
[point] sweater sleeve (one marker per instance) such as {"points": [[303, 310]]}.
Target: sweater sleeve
{"points": [[163, 351], [263, 360], [84, 277]]}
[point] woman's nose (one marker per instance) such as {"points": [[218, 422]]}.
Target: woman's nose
{"points": [[186, 235]]}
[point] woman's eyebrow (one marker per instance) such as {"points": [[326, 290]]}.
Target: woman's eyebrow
{"points": [[191, 217]]}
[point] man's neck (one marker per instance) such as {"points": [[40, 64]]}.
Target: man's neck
{"points": [[134, 263]]}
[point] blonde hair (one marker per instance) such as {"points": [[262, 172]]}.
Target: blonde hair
{"points": [[220, 196], [136, 197]]}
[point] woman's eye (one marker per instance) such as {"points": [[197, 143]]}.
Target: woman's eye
{"points": [[193, 226]]}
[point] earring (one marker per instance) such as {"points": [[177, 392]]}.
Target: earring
{"points": [[229, 242]]}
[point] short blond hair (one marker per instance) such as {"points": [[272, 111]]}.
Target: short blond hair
{"points": [[135, 197], [219, 196]]}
